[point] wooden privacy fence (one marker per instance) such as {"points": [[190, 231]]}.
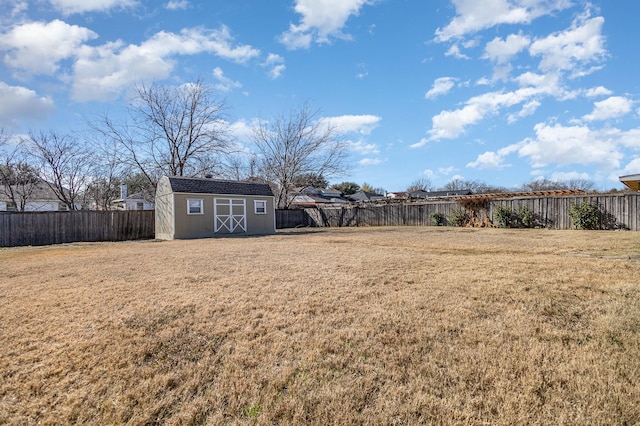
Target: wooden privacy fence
{"points": [[43, 228], [621, 211]]}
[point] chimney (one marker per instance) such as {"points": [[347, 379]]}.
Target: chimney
{"points": [[123, 191]]}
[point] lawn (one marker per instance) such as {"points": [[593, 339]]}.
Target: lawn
{"points": [[402, 325]]}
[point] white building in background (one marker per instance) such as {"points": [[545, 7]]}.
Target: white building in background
{"points": [[40, 198], [144, 200]]}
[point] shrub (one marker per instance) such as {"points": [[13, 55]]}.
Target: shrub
{"points": [[459, 217], [527, 217], [585, 216], [438, 219], [504, 216], [508, 218]]}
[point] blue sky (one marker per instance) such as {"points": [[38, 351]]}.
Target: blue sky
{"points": [[500, 91]]}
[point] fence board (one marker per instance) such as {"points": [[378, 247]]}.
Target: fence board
{"points": [[43, 228]]}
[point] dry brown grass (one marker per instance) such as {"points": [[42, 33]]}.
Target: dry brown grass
{"points": [[338, 326]]}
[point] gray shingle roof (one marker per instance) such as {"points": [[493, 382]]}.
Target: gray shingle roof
{"points": [[215, 186]]}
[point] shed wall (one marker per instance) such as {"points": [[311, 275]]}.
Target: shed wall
{"points": [[202, 225], [165, 228]]}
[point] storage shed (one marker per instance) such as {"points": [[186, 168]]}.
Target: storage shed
{"points": [[200, 208]]}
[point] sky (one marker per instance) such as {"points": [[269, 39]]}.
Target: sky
{"points": [[499, 91]]}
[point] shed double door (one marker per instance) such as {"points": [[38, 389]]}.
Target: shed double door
{"points": [[230, 215]]}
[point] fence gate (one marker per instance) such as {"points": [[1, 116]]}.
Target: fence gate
{"points": [[229, 215]]}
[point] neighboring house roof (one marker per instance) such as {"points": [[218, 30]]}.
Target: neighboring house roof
{"points": [[310, 190], [216, 186], [366, 196], [330, 192], [39, 191]]}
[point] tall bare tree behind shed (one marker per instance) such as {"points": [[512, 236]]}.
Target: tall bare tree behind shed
{"points": [[171, 130], [296, 144]]}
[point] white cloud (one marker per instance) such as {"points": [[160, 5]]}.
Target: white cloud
{"points": [[630, 138], [38, 47], [224, 84], [369, 161], [573, 48], [15, 10], [501, 51], [557, 144], [597, 91], [276, 66], [632, 168], [363, 124], [277, 71], [320, 21], [68, 7], [422, 142], [527, 109], [473, 15], [102, 72], [441, 86], [451, 124], [487, 160], [493, 160], [241, 130], [566, 176], [613, 107], [177, 5], [19, 103], [363, 148], [454, 51], [447, 170]]}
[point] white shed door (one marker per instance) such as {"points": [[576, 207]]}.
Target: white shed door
{"points": [[229, 215]]}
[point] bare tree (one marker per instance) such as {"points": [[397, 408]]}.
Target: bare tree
{"points": [[475, 186], [421, 184], [581, 184], [543, 185], [176, 131], [18, 179], [63, 163], [295, 145], [108, 172], [311, 179]]}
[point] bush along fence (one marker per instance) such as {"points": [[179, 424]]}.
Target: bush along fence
{"points": [[43, 228], [597, 211]]}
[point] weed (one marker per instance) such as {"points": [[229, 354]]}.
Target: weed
{"points": [[252, 411]]}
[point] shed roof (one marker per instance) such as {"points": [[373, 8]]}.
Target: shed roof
{"points": [[632, 181], [216, 186]]}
